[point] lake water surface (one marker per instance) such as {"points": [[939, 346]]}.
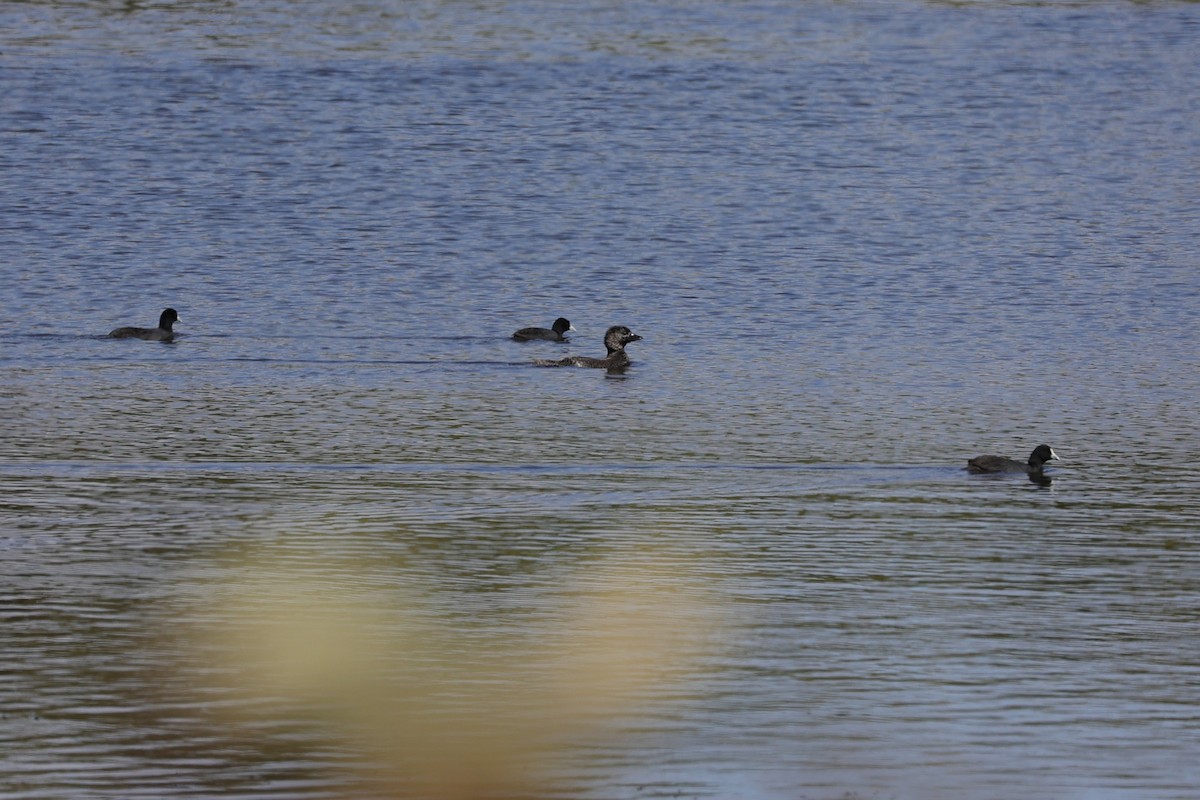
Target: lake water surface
{"points": [[342, 538]]}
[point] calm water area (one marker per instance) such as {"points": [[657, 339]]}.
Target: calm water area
{"points": [[343, 539]]}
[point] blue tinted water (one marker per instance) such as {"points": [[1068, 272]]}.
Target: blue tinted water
{"points": [[863, 241]]}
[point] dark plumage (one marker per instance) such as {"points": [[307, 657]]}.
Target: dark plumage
{"points": [[615, 339], [1037, 459], [552, 334], [163, 333]]}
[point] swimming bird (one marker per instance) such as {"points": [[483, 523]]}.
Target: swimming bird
{"points": [[163, 333], [615, 339], [552, 334], [1037, 459]]}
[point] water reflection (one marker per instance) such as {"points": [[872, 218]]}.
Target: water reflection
{"points": [[477, 705]]}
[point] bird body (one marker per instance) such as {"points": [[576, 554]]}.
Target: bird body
{"points": [[999, 464], [163, 333], [551, 334], [615, 339]]}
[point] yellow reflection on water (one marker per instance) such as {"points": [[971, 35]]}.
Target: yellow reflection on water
{"points": [[451, 703]]}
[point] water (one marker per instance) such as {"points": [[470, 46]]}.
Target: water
{"points": [[342, 539]]}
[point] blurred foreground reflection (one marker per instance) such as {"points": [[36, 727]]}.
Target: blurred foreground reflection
{"points": [[440, 698]]}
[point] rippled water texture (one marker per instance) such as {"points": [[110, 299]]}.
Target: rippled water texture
{"points": [[343, 539]]}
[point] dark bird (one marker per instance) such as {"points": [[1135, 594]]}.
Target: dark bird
{"points": [[615, 339], [163, 333], [552, 334], [993, 464]]}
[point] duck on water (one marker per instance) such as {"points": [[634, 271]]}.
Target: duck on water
{"points": [[555, 333], [993, 465], [163, 333], [615, 339]]}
